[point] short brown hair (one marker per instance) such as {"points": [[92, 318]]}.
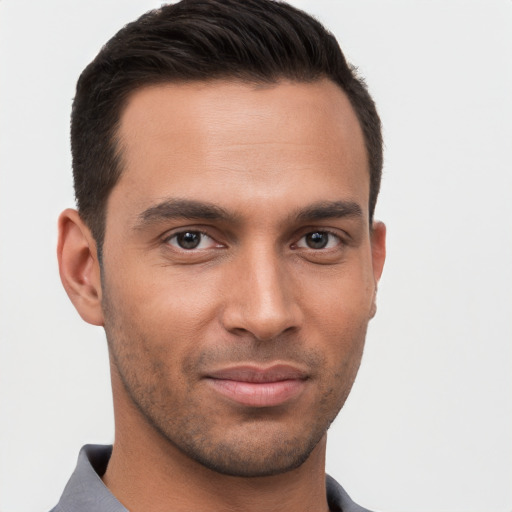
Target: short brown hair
{"points": [[200, 40]]}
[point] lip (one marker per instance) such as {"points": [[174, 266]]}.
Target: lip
{"points": [[258, 387]]}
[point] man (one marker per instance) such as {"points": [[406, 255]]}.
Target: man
{"points": [[227, 163]]}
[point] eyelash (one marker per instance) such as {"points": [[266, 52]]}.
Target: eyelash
{"points": [[202, 234], [296, 245], [336, 236]]}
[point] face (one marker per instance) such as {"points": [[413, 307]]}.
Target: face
{"points": [[239, 267]]}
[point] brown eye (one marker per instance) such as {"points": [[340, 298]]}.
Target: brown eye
{"points": [[317, 240], [190, 240]]}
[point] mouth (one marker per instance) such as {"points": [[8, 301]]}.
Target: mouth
{"points": [[255, 386]]}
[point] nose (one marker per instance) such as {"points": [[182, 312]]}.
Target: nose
{"points": [[261, 299]]}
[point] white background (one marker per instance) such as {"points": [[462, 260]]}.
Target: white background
{"points": [[429, 424]]}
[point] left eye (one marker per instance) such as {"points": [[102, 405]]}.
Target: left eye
{"points": [[189, 240], [319, 240]]}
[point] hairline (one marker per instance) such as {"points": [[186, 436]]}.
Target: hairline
{"points": [[116, 144]]}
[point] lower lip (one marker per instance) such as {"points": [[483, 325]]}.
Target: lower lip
{"points": [[259, 394]]}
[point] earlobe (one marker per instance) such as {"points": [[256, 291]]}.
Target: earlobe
{"points": [[79, 267], [378, 241]]}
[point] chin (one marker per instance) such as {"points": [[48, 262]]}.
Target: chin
{"points": [[250, 456], [239, 465]]}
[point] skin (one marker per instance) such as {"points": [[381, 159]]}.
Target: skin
{"points": [[267, 175]]}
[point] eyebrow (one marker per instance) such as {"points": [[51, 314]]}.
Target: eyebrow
{"points": [[330, 210], [176, 208]]}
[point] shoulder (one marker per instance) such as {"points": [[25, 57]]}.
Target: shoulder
{"points": [[338, 499]]}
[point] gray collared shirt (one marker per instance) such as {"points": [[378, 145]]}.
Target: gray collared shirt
{"points": [[85, 491]]}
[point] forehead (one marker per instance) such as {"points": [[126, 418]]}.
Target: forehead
{"points": [[206, 140]]}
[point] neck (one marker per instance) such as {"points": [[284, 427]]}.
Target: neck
{"points": [[148, 473]]}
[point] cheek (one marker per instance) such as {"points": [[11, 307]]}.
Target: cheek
{"points": [[166, 302], [340, 299], [147, 345], [337, 310]]}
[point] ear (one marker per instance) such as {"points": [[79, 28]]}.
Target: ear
{"points": [[378, 242], [79, 266]]}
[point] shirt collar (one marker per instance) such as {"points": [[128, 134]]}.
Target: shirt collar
{"points": [[86, 492]]}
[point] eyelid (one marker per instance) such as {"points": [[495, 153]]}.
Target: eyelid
{"points": [[342, 240], [178, 231]]}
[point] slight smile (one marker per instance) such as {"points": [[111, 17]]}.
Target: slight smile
{"points": [[259, 387]]}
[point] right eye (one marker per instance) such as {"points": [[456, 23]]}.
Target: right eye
{"points": [[190, 240]]}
